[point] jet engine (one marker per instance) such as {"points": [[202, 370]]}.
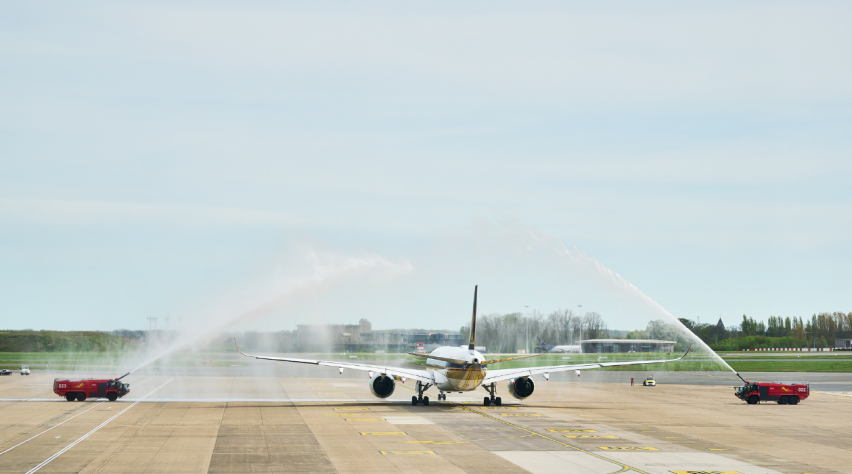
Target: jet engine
{"points": [[521, 387], [382, 386]]}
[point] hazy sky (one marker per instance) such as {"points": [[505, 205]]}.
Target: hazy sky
{"points": [[176, 159]]}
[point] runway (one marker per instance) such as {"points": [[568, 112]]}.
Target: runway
{"points": [[330, 423]]}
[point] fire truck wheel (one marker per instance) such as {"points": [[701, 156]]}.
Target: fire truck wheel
{"points": [[81, 397], [752, 400], [112, 397], [794, 400], [782, 400], [70, 396]]}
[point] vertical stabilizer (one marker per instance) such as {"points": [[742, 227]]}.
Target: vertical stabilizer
{"points": [[471, 346]]}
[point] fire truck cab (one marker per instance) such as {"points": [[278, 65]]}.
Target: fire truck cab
{"points": [[80, 389], [782, 393]]}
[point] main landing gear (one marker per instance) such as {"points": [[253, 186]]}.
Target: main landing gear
{"points": [[492, 390], [419, 398], [442, 396]]}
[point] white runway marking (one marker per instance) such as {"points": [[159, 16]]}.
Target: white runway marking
{"points": [[45, 431], [407, 420], [557, 462], [80, 439]]}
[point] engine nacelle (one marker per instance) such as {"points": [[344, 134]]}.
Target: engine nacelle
{"points": [[521, 387], [382, 386]]}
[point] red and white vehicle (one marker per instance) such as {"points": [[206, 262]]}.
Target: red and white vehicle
{"points": [[783, 393], [80, 389]]}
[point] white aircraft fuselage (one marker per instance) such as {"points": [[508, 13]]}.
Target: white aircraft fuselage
{"points": [[451, 377], [566, 349]]}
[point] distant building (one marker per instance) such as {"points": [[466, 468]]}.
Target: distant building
{"points": [[362, 338], [344, 337], [843, 344], [597, 346], [432, 341]]}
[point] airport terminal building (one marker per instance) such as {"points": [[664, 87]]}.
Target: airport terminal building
{"points": [[597, 346]]}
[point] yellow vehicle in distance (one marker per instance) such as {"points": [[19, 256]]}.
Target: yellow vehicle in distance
{"points": [[649, 381]]}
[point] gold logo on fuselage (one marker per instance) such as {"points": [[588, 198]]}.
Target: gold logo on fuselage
{"points": [[466, 378]]}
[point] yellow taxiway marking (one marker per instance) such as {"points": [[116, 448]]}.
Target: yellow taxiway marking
{"points": [[519, 414], [706, 472], [364, 419], [626, 448], [592, 436], [624, 467], [383, 433], [717, 449], [407, 452], [351, 409], [573, 431], [498, 408], [435, 442]]}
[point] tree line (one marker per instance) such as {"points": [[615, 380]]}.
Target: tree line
{"points": [[505, 333], [820, 330]]}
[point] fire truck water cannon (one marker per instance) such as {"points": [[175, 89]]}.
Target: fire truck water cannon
{"points": [[81, 389], [782, 393]]}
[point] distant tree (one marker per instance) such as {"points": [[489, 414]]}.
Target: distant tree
{"points": [[595, 326]]}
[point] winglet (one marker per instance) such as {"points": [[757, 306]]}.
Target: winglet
{"points": [[472, 345], [238, 348], [685, 353]]}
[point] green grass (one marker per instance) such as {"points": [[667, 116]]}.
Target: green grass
{"points": [[63, 341], [693, 361], [785, 365]]}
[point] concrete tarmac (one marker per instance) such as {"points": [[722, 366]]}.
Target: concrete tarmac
{"points": [[320, 421]]}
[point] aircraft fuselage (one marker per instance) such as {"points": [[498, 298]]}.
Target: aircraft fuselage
{"points": [[450, 377]]}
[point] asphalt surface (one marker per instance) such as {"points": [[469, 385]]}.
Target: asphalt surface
{"points": [[269, 418]]}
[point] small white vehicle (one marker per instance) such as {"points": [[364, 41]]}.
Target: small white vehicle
{"points": [[25, 370], [649, 381]]}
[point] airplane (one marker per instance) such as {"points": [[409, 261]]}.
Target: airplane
{"points": [[564, 349], [456, 369]]}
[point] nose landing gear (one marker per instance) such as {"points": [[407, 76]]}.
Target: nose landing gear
{"points": [[493, 399]]}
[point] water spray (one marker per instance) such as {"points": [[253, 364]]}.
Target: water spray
{"points": [[325, 269], [581, 257]]}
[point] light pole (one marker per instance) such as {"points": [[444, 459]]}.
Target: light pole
{"points": [[581, 321], [527, 330]]}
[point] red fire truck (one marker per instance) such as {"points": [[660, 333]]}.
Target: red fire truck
{"points": [[80, 389], [783, 393]]}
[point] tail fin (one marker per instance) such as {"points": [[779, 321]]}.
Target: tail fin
{"points": [[541, 341], [472, 343]]}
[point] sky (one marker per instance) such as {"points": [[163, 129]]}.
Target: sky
{"points": [[323, 162]]}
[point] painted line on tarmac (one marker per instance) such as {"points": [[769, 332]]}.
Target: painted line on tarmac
{"points": [[624, 467], [95, 429], [54, 426], [836, 394]]}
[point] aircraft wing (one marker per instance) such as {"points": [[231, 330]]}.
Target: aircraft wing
{"points": [[506, 374], [421, 375]]}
